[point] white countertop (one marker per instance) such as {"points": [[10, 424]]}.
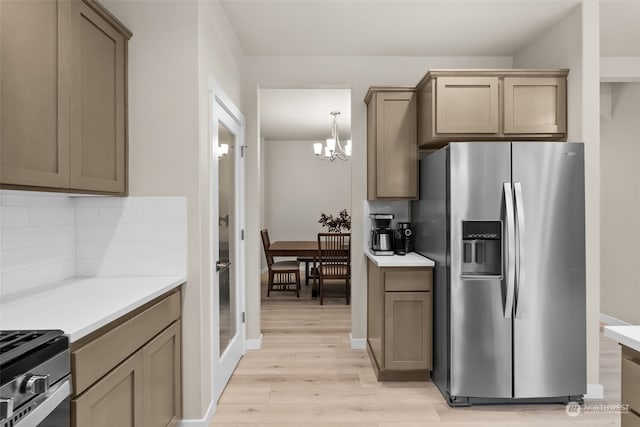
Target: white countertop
{"points": [[79, 306], [411, 259], [625, 335]]}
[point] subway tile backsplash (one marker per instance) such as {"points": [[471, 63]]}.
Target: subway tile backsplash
{"points": [[47, 237], [37, 240], [131, 236]]}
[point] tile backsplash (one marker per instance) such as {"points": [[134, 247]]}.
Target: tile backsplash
{"points": [[131, 236], [47, 237], [37, 239]]}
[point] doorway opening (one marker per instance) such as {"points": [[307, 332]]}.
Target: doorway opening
{"points": [[298, 187]]}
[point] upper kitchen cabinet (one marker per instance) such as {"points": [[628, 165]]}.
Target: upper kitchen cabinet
{"points": [[98, 106], [392, 151], [464, 105], [34, 83], [63, 77]]}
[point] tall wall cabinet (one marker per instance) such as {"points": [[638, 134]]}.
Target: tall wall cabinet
{"points": [[392, 151], [63, 109]]}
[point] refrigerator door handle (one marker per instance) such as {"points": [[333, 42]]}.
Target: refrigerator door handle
{"points": [[511, 249], [520, 258]]}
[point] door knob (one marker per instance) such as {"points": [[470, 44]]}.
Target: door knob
{"points": [[221, 265]]}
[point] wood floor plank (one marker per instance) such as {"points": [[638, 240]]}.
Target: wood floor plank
{"points": [[306, 374]]}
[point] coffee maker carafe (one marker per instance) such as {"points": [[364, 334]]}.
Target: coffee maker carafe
{"points": [[404, 238], [381, 238]]}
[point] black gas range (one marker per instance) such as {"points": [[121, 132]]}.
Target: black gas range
{"points": [[35, 379]]}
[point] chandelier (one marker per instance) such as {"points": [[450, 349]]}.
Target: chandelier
{"points": [[333, 148]]}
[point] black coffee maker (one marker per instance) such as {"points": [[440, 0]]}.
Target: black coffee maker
{"points": [[403, 238]]}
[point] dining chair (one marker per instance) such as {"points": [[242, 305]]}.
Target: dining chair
{"points": [[334, 261], [282, 274]]}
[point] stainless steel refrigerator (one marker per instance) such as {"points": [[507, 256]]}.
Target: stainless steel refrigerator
{"points": [[504, 223]]}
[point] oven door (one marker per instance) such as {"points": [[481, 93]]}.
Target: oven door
{"points": [[53, 409]]}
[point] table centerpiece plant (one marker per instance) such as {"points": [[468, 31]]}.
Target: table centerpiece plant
{"points": [[336, 224]]}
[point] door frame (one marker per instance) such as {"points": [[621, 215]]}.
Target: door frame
{"points": [[222, 109]]}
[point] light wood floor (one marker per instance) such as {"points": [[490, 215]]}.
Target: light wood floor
{"points": [[306, 374]]}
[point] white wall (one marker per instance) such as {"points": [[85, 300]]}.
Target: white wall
{"points": [[620, 208], [357, 74], [299, 186], [177, 46], [566, 45]]}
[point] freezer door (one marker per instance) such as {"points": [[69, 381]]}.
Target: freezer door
{"points": [[480, 332], [549, 325]]}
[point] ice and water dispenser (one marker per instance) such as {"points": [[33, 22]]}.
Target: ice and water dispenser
{"points": [[481, 248]]}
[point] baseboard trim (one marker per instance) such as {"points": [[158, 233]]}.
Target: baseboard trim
{"points": [[594, 392], [255, 344], [612, 321], [358, 343], [202, 422]]}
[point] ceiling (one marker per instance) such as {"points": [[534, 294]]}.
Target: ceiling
{"points": [[391, 27], [304, 114], [397, 28]]}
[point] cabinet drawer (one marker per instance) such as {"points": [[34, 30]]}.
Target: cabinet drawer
{"points": [[401, 279], [98, 357], [631, 379], [630, 420]]}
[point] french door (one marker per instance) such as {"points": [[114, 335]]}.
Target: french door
{"points": [[227, 267]]}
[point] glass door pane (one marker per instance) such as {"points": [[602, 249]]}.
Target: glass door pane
{"points": [[226, 263]]}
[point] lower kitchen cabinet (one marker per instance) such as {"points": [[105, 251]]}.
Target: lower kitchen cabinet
{"points": [[407, 324], [161, 378], [128, 373], [114, 400], [631, 386], [399, 322]]}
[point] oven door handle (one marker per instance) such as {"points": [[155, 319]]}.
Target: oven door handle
{"points": [[50, 400]]}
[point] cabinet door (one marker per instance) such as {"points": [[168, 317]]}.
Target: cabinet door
{"points": [[97, 103], [161, 378], [115, 400], [396, 145], [535, 105], [467, 105], [34, 106], [630, 372], [407, 330], [630, 419]]}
